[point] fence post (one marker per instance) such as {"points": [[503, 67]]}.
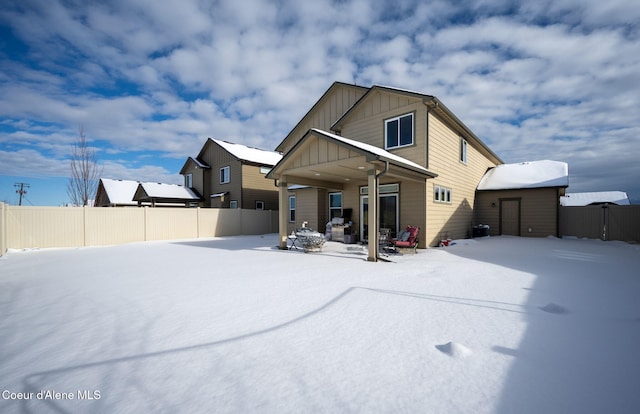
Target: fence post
{"points": [[146, 223], [84, 225], [605, 221], [3, 229]]}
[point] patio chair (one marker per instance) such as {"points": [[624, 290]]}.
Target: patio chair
{"points": [[407, 239], [384, 241]]}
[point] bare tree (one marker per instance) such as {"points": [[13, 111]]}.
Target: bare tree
{"points": [[85, 171]]}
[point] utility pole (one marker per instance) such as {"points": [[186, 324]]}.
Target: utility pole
{"points": [[21, 191]]}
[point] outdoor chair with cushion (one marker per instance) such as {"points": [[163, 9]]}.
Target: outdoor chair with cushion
{"points": [[407, 239]]}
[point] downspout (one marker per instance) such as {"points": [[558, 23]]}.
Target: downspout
{"points": [[430, 104], [383, 172]]}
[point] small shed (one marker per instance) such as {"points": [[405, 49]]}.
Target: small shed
{"points": [[522, 199], [167, 195]]}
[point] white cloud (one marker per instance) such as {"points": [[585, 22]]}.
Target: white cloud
{"points": [[554, 79], [31, 163]]}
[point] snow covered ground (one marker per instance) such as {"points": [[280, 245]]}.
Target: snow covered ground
{"points": [[494, 325]]}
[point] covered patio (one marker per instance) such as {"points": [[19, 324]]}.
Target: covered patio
{"points": [[325, 160]]}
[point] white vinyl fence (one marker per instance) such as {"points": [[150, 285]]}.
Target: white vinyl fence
{"points": [[24, 227]]}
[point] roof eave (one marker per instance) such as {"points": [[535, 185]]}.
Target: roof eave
{"points": [[279, 148], [435, 104], [273, 174]]}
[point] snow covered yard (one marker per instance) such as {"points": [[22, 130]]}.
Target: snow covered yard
{"points": [[495, 325]]}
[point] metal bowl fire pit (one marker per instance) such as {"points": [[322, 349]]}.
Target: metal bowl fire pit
{"points": [[312, 241]]}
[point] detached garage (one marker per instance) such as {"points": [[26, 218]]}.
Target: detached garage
{"points": [[522, 199]]}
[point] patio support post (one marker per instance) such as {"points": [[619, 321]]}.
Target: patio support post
{"points": [[283, 213], [373, 231]]}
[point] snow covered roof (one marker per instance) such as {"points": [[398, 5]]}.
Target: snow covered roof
{"points": [[242, 152], [383, 154], [123, 192], [584, 199], [168, 191], [533, 174], [120, 192], [199, 163]]}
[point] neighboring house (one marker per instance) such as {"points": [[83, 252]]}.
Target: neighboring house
{"points": [[116, 193], [405, 150], [159, 194], [231, 175], [619, 198], [129, 193], [522, 199]]}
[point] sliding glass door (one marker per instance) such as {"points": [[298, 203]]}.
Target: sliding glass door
{"points": [[388, 208]]}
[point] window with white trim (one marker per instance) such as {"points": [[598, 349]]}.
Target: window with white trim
{"points": [[265, 170], [188, 181], [441, 194], [463, 150], [398, 131], [335, 205], [382, 189], [224, 175], [292, 209], [259, 205]]}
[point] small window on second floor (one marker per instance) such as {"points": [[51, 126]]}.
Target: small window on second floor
{"points": [[398, 131], [265, 170], [233, 204], [463, 150], [188, 180], [259, 205], [224, 175]]}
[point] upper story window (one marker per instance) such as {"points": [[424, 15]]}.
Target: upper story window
{"points": [[259, 205], [463, 150], [188, 180], [265, 170], [398, 131], [224, 175]]}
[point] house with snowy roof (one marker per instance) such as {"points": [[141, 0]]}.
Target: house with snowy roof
{"points": [[116, 193], [618, 198], [129, 193], [522, 199], [229, 175], [160, 194], [381, 157]]}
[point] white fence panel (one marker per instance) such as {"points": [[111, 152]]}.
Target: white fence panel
{"points": [[40, 227]]}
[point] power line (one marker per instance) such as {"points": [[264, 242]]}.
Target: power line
{"points": [[21, 191]]}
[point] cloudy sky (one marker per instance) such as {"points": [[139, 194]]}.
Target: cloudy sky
{"points": [[150, 80]]}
